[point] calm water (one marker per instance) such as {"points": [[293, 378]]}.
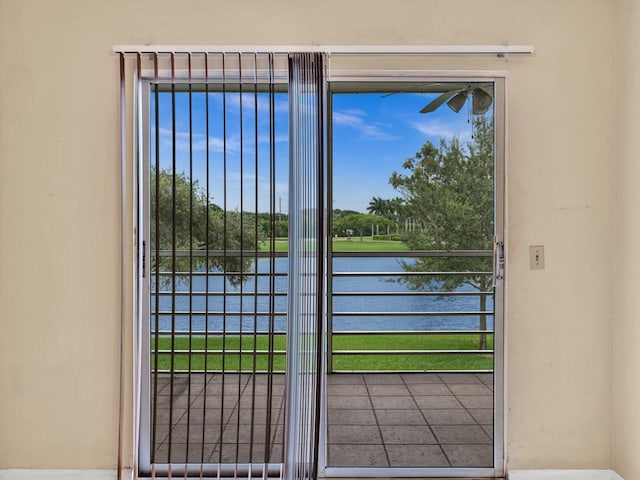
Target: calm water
{"points": [[251, 303]]}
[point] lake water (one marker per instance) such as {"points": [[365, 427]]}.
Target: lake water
{"points": [[251, 304]]}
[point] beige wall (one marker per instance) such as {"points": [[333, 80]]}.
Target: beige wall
{"points": [[626, 329], [60, 217]]}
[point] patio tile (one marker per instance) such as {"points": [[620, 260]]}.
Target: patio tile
{"points": [[201, 378], [198, 452], [484, 416], [243, 452], [196, 389], [179, 434], [394, 402], [437, 401], [277, 434], [470, 389], [476, 401], [263, 389], [163, 388], [460, 434], [421, 378], [458, 378], [275, 456], [162, 432], [383, 378], [357, 456], [212, 401], [177, 402], [486, 378], [347, 390], [258, 415], [247, 401], [358, 434], [345, 379], [229, 379], [488, 429], [388, 390], [216, 389], [429, 389], [276, 379], [212, 416], [351, 417], [416, 455], [348, 402], [448, 416], [407, 435], [469, 455], [179, 453], [400, 417], [244, 434], [163, 415]]}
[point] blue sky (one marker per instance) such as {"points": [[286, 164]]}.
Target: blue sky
{"points": [[373, 134]]}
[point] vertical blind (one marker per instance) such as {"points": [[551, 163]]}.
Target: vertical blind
{"points": [[306, 252], [207, 133]]}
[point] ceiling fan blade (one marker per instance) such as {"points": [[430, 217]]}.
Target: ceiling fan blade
{"points": [[434, 105], [481, 101], [457, 102]]}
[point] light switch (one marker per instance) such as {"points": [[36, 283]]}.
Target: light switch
{"points": [[536, 257]]}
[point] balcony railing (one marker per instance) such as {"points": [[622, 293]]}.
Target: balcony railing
{"points": [[375, 320], [419, 328]]}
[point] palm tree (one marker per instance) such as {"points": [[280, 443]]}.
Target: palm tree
{"points": [[378, 206], [395, 212]]}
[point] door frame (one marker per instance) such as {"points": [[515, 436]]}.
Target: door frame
{"points": [[351, 79], [333, 78]]}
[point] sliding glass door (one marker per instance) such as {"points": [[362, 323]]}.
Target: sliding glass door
{"points": [[320, 272], [415, 321]]}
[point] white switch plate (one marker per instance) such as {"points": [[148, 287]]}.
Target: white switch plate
{"points": [[536, 257]]}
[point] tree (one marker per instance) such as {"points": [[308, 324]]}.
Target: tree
{"points": [[450, 189], [395, 211], [378, 206], [360, 222], [181, 208], [337, 228]]}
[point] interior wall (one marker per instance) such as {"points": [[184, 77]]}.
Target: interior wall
{"points": [[626, 329], [60, 203]]}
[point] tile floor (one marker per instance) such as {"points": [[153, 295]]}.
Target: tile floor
{"points": [[217, 428], [374, 420], [410, 420]]}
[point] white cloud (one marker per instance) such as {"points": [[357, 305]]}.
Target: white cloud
{"points": [[278, 138], [447, 130], [198, 142], [356, 119], [264, 107]]}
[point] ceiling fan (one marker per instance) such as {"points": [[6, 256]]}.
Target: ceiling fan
{"points": [[481, 99]]}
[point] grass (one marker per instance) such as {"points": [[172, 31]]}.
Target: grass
{"points": [[234, 362], [342, 244], [367, 245], [446, 361]]}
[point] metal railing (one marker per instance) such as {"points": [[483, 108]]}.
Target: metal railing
{"points": [[408, 347]]}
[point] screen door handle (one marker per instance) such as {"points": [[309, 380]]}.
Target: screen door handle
{"points": [[498, 260]]}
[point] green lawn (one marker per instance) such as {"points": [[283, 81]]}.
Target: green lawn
{"points": [[349, 362], [445, 361], [342, 244]]}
